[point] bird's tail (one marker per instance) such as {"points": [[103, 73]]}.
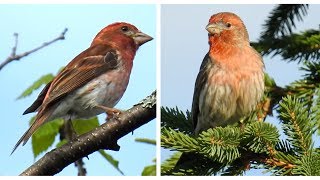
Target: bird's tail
{"points": [[41, 118]]}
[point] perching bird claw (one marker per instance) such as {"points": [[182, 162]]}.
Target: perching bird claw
{"points": [[112, 113]]}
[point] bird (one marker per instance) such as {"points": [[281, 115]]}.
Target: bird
{"points": [[93, 82], [230, 82]]}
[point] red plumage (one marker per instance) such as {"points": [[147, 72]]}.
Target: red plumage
{"points": [[231, 78]]}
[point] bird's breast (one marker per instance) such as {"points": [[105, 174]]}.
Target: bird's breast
{"points": [[229, 95]]}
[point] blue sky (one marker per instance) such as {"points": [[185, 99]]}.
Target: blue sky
{"points": [[39, 23], [184, 44]]}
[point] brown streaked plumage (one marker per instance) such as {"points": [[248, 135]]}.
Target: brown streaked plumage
{"points": [[93, 81]]}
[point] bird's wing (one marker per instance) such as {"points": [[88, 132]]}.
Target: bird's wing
{"points": [[37, 103], [88, 65], [91, 63], [199, 85]]}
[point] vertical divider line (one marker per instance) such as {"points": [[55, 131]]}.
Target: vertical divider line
{"points": [[158, 59]]}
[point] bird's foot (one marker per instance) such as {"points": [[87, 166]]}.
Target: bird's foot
{"points": [[112, 113], [68, 132]]}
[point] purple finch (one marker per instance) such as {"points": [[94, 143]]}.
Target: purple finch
{"points": [[230, 82], [93, 82], [231, 78]]}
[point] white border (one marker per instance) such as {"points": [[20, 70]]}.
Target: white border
{"points": [[158, 58], [158, 2]]}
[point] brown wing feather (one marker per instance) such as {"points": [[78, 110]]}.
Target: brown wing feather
{"points": [[37, 103], [199, 84], [99, 60]]}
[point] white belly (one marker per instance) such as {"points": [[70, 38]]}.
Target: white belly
{"points": [[106, 90]]}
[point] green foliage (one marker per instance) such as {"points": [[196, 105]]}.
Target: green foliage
{"points": [[308, 165], [316, 112], [150, 170], [82, 126], [177, 140], [220, 144], [258, 135], [176, 119], [170, 163], [197, 165], [281, 19], [278, 37], [36, 85], [296, 46], [111, 160], [269, 81], [147, 141], [217, 150], [296, 124], [229, 150], [44, 137]]}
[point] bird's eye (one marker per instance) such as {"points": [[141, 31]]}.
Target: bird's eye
{"points": [[228, 25], [124, 28]]}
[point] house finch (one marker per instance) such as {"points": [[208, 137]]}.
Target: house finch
{"points": [[230, 82], [231, 78], [93, 82]]}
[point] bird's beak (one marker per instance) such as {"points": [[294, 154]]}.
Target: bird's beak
{"points": [[141, 38], [215, 28]]}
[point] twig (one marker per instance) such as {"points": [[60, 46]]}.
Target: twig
{"points": [[16, 57], [102, 137], [14, 49], [276, 162], [81, 169], [268, 159]]}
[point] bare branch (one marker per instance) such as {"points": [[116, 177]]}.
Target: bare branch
{"points": [[16, 57], [81, 169], [14, 49], [102, 137]]}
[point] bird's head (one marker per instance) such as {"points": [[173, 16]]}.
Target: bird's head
{"points": [[121, 34], [227, 27]]}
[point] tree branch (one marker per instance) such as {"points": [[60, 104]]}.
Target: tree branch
{"points": [[15, 57], [102, 137]]}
